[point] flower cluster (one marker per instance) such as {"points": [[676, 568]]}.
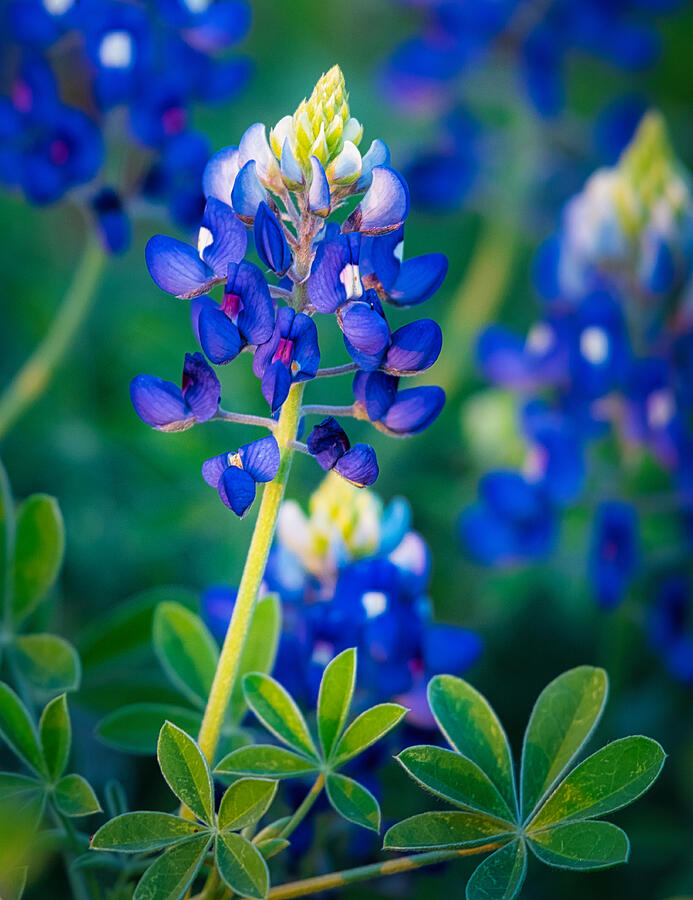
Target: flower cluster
{"points": [[113, 59], [277, 194], [607, 368], [352, 573]]}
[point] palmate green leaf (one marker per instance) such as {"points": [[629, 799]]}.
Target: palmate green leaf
{"points": [[430, 830], [38, 552], [7, 528], [242, 866], [563, 718], [135, 728], [18, 731], [259, 650], [24, 797], [245, 803], [13, 786], [611, 778], [186, 650], [501, 875], [140, 832], [278, 712], [334, 698], [265, 761], [74, 796], [365, 730], [581, 845], [454, 778], [353, 801], [127, 631], [49, 663], [472, 728], [55, 733], [169, 877], [186, 771]]}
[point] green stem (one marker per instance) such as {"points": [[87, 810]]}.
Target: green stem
{"points": [[375, 870], [34, 376], [304, 808], [253, 571]]}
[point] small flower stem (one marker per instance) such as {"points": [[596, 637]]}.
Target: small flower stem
{"points": [[331, 371], [318, 409], [304, 808], [299, 446], [223, 415], [375, 870], [253, 571], [34, 376]]}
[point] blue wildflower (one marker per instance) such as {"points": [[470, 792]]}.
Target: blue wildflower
{"points": [[167, 407], [289, 356], [235, 474], [379, 400], [614, 552], [330, 446]]}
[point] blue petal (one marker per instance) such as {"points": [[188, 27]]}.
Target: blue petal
{"points": [[201, 388], [177, 268], [220, 174], [160, 403], [214, 468], [414, 347], [419, 278], [366, 333], [325, 290], [248, 192], [306, 351], [319, 190], [358, 465], [219, 337], [256, 318], [261, 458], [229, 237], [378, 155], [270, 241], [328, 442], [376, 391], [448, 649], [276, 382], [385, 205], [414, 410], [237, 490], [196, 307]]}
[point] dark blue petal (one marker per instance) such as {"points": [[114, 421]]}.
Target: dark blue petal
{"points": [[177, 268], [160, 403], [327, 442], [319, 190], [414, 347], [196, 307], [229, 237], [276, 382], [270, 241], [325, 289], [306, 351], [366, 333], [214, 468], [248, 192], [219, 337], [201, 388], [256, 318], [261, 458], [376, 391], [237, 490], [414, 410], [358, 465], [419, 278]]}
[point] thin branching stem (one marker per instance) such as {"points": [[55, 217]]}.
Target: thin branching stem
{"points": [[319, 409], [224, 415], [332, 371]]}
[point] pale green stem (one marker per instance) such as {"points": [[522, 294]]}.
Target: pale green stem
{"points": [[35, 375], [376, 870], [320, 409], [304, 808], [253, 571]]}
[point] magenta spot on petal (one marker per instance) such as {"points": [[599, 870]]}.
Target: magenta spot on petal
{"points": [[284, 351], [610, 551], [59, 152], [22, 97], [186, 381], [231, 305], [173, 120]]}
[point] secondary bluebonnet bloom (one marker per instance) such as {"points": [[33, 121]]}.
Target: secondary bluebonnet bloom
{"points": [[613, 552], [115, 54], [235, 474], [285, 188], [167, 407], [670, 627]]}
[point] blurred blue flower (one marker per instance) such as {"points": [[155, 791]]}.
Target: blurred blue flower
{"points": [[614, 552]]}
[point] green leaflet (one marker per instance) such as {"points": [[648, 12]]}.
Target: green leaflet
{"points": [[581, 845], [334, 698], [472, 728], [186, 771], [48, 662], [501, 875], [431, 830], [278, 712], [563, 718], [454, 778], [55, 733], [265, 760], [135, 728], [172, 873], [611, 778], [245, 803], [140, 832], [353, 801], [259, 650], [7, 528], [38, 552], [17, 730], [74, 796], [366, 729], [242, 866], [186, 650]]}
